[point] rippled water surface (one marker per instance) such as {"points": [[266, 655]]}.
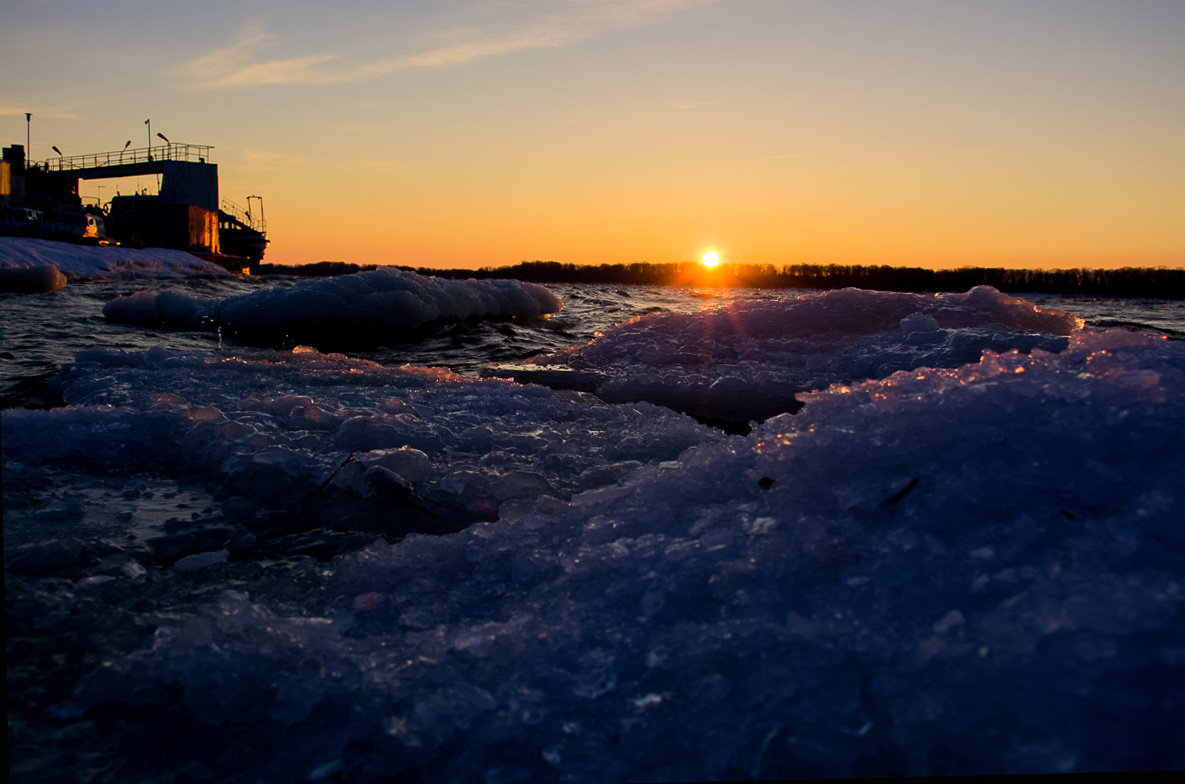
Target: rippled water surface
{"points": [[43, 332]]}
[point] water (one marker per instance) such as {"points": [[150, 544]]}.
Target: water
{"points": [[1163, 315], [230, 562], [41, 334]]}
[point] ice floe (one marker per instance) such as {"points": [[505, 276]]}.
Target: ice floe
{"points": [[747, 361], [365, 308]]}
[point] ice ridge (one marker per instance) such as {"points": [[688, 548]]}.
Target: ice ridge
{"points": [[365, 308]]}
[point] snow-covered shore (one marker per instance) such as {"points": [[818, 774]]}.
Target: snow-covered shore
{"points": [[29, 265]]}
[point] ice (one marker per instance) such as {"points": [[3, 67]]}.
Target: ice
{"points": [[171, 308], [961, 556], [197, 561], [22, 258], [748, 361], [449, 449], [365, 308], [32, 280], [945, 570]]}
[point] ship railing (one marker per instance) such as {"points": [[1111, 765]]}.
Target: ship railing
{"points": [[244, 216], [173, 151]]}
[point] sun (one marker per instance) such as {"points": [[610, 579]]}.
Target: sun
{"points": [[710, 259]]}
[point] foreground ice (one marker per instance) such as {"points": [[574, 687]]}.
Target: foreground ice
{"points": [[747, 361], [313, 430], [365, 308], [944, 571], [25, 261]]}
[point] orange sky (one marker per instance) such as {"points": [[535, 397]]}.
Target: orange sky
{"points": [[462, 134]]}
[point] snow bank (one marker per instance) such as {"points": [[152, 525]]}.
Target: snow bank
{"points": [[89, 262], [365, 308], [945, 571], [748, 361]]}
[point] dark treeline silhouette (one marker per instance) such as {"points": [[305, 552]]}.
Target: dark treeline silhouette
{"points": [[1124, 282], [319, 269]]}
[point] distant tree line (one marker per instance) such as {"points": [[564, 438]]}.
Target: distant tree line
{"points": [[1124, 282], [318, 269]]}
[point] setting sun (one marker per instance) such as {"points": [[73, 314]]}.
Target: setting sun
{"points": [[710, 259]]}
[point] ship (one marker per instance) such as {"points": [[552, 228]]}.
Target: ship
{"points": [[242, 232], [42, 199]]}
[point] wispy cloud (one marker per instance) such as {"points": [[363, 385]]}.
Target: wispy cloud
{"points": [[234, 65], [533, 25]]}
